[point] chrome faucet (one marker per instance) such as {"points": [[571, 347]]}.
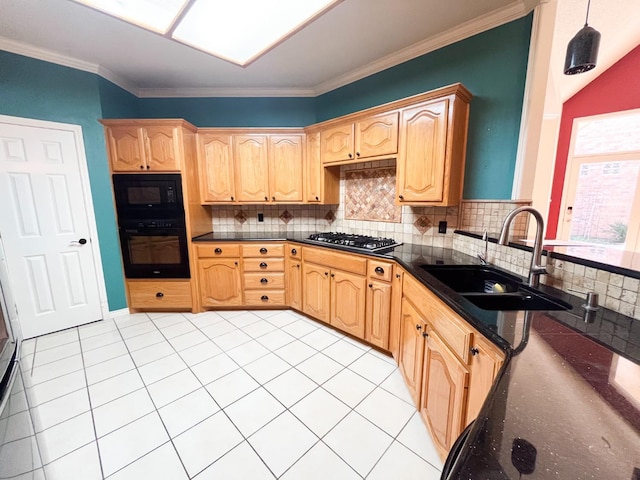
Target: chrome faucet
{"points": [[536, 268], [483, 258]]}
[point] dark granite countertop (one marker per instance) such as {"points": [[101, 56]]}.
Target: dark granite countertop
{"points": [[566, 404]]}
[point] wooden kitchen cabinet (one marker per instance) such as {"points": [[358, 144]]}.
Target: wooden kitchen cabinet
{"points": [[137, 148], [486, 361], [348, 299], [215, 164], [431, 156], [251, 168], [159, 294], [322, 185], [285, 168], [294, 283], [336, 143], [220, 282], [378, 313], [316, 291], [443, 396], [376, 135], [412, 345], [395, 315], [264, 274]]}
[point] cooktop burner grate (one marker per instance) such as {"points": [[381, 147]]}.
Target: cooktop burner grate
{"points": [[362, 242]]}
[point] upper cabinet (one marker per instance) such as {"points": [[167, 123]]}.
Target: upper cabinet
{"points": [[215, 158], [367, 137], [285, 167], [136, 148], [322, 185], [251, 168], [431, 156]]}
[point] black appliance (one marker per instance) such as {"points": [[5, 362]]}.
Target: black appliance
{"points": [[356, 242], [153, 236], [146, 196]]}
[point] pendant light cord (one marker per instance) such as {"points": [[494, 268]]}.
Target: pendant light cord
{"points": [[586, 20]]}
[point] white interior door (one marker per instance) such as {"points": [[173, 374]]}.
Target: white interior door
{"points": [[45, 227]]}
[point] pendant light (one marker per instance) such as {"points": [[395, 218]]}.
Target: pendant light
{"points": [[582, 51]]}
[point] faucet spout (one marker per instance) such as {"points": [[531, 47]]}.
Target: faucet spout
{"points": [[536, 268]]}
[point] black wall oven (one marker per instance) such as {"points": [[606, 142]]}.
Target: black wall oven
{"points": [[153, 236]]}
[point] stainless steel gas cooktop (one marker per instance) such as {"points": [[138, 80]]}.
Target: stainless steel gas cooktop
{"points": [[357, 242]]}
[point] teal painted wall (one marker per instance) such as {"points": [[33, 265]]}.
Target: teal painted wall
{"points": [[34, 89], [233, 112], [116, 102], [493, 66]]}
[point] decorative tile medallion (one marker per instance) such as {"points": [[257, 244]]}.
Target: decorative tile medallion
{"points": [[241, 217], [422, 224], [330, 217], [369, 195], [286, 216]]}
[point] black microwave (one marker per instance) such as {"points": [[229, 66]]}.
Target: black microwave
{"points": [[147, 196]]}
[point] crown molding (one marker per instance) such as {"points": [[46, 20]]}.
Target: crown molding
{"points": [[50, 56], [513, 11], [224, 92], [480, 24]]}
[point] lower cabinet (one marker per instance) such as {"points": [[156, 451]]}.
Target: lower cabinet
{"points": [[395, 313], [220, 282], [444, 388], [294, 283], [413, 327], [348, 296], [159, 294], [316, 291], [378, 313]]}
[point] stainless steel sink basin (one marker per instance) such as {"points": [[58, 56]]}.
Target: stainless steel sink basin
{"points": [[473, 278], [491, 289]]}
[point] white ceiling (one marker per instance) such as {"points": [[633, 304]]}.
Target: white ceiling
{"points": [[352, 40]]}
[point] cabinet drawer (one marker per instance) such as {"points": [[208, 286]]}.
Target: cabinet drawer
{"points": [[253, 281], [263, 250], [264, 264], [156, 294], [218, 250], [380, 270], [294, 251], [453, 330], [264, 298], [331, 259]]}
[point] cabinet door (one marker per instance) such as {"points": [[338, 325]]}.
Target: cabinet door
{"points": [[421, 160], [412, 349], [220, 282], [377, 135], [336, 143], [126, 148], [294, 284], [443, 393], [378, 310], [215, 164], [313, 170], [348, 300], [163, 153], [315, 291], [395, 316], [285, 168], [251, 168], [486, 360]]}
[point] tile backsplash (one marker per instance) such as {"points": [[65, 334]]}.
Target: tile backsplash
{"points": [[481, 215], [370, 193]]}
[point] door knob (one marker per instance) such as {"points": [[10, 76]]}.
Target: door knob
{"points": [[82, 241]]}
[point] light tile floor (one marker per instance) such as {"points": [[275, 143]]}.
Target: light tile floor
{"points": [[220, 395]]}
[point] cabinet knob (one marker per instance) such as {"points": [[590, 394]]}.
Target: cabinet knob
{"points": [[418, 327], [236, 263], [371, 285], [317, 198], [357, 154], [264, 280], [263, 265], [401, 197], [425, 334], [218, 251], [141, 167], [232, 199], [333, 274], [298, 265], [266, 198], [397, 275], [294, 251], [379, 270], [474, 351], [263, 250], [159, 295], [273, 198], [264, 298], [148, 167], [326, 273]]}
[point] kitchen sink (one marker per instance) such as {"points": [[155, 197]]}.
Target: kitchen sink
{"points": [[491, 289], [474, 278]]}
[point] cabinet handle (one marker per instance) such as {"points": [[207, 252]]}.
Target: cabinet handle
{"points": [[474, 351], [273, 198], [371, 285], [379, 270], [350, 155], [141, 167], [264, 280], [159, 295], [218, 251], [357, 154], [232, 199], [425, 334], [326, 273], [418, 327], [264, 298], [401, 197], [263, 250], [397, 275], [298, 265], [317, 198], [266, 198], [236, 263], [294, 251], [263, 265], [333, 275], [148, 167]]}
